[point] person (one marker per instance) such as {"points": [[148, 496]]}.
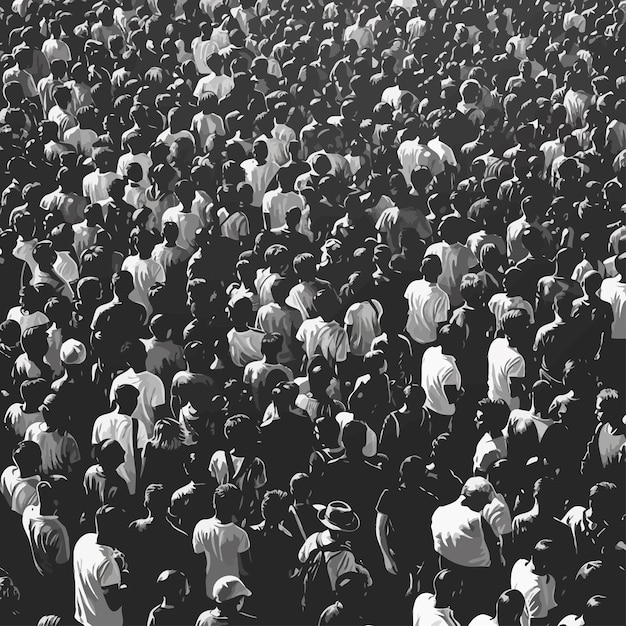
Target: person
{"points": [[507, 366], [437, 609], [174, 587], [510, 609], [220, 539], [429, 305], [19, 481], [330, 549], [127, 431], [441, 379], [60, 453], [99, 590], [541, 396], [48, 537], [150, 389], [400, 541], [230, 594], [19, 416], [533, 578]]}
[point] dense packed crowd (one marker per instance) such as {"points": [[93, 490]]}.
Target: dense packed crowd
{"points": [[313, 312]]}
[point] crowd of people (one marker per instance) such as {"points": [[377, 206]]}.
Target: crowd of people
{"points": [[314, 312]]}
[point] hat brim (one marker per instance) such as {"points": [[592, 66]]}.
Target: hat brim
{"points": [[354, 525]]}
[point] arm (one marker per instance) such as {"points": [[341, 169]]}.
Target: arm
{"points": [[115, 596], [381, 537]]}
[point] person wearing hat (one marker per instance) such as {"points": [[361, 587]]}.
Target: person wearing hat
{"points": [[340, 521], [230, 594]]}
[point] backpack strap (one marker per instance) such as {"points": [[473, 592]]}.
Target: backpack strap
{"points": [[229, 465], [245, 466], [294, 513]]}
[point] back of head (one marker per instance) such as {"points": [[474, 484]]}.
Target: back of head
{"points": [[510, 607], [447, 584]]}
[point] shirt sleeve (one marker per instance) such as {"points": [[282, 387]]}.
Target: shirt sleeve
{"points": [[109, 574], [442, 309], [349, 318], [196, 540], [517, 368], [244, 542]]}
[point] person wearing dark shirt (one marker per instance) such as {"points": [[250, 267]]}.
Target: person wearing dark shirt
{"points": [[533, 266], [351, 589], [173, 609]]}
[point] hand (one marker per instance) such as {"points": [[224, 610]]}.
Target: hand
{"points": [[390, 565]]}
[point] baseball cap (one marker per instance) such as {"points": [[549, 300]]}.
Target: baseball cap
{"points": [[73, 352], [229, 587]]}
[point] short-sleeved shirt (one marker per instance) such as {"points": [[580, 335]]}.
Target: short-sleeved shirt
{"points": [[221, 544], [48, 538], [505, 363], [428, 307], [538, 591], [244, 346], [17, 420], [456, 260], [58, 452], [438, 371], [613, 291], [425, 613], [151, 395], [188, 224], [17, 491], [146, 273], [364, 320], [326, 338], [95, 568]]}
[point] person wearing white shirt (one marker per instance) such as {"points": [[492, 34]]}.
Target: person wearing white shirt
{"points": [[145, 271], [436, 609], [53, 47], [506, 365], [441, 379], [202, 48], [98, 589], [151, 392], [613, 291], [214, 82], [188, 223], [129, 433], [277, 202], [259, 172], [96, 184], [429, 305], [510, 609], [533, 579]]}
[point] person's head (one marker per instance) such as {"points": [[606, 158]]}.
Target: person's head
{"points": [[109, 454], [546, 494], [49, 620], [156, 500], [351, 588], [491, 415], [304, 266], [514, 324], [133, 353], [354, 437], [601, 507], [44, 255], [241, 313], [226, 502], [271, 345], [431, 268], [126, 398], [34, 342], [144, 243], [167, 435], [27, 458], [241, 433], [591, 283], [477, 492], [33, 392], [599, 610], [230, 594], [326, 304], [450, 338], [562, 305], [173, 586], [541, 395], [543, 557], [447, 585], [110, 524], [609, 407], [510, 607], [122, 284], [300, 487], [274, 507], [472, 289]]}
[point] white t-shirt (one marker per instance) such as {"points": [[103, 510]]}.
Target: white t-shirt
{"points": [[456, 261], [244, 346], [119, 427], [259, 177], [609, 444], [146, 273], [276, 203], [27, 320], [151, 395], [488, 451], [94, 569], [429, 305], [426, 614], [17, 491], [188, 224], [538, 591], [96, 185], [326, 338], [540, 424], [500, 303], [614, 292], [58, 451], [458, 535], [438, 371], [235, 225], [505, 363], [364, 319], [221, 545]]}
